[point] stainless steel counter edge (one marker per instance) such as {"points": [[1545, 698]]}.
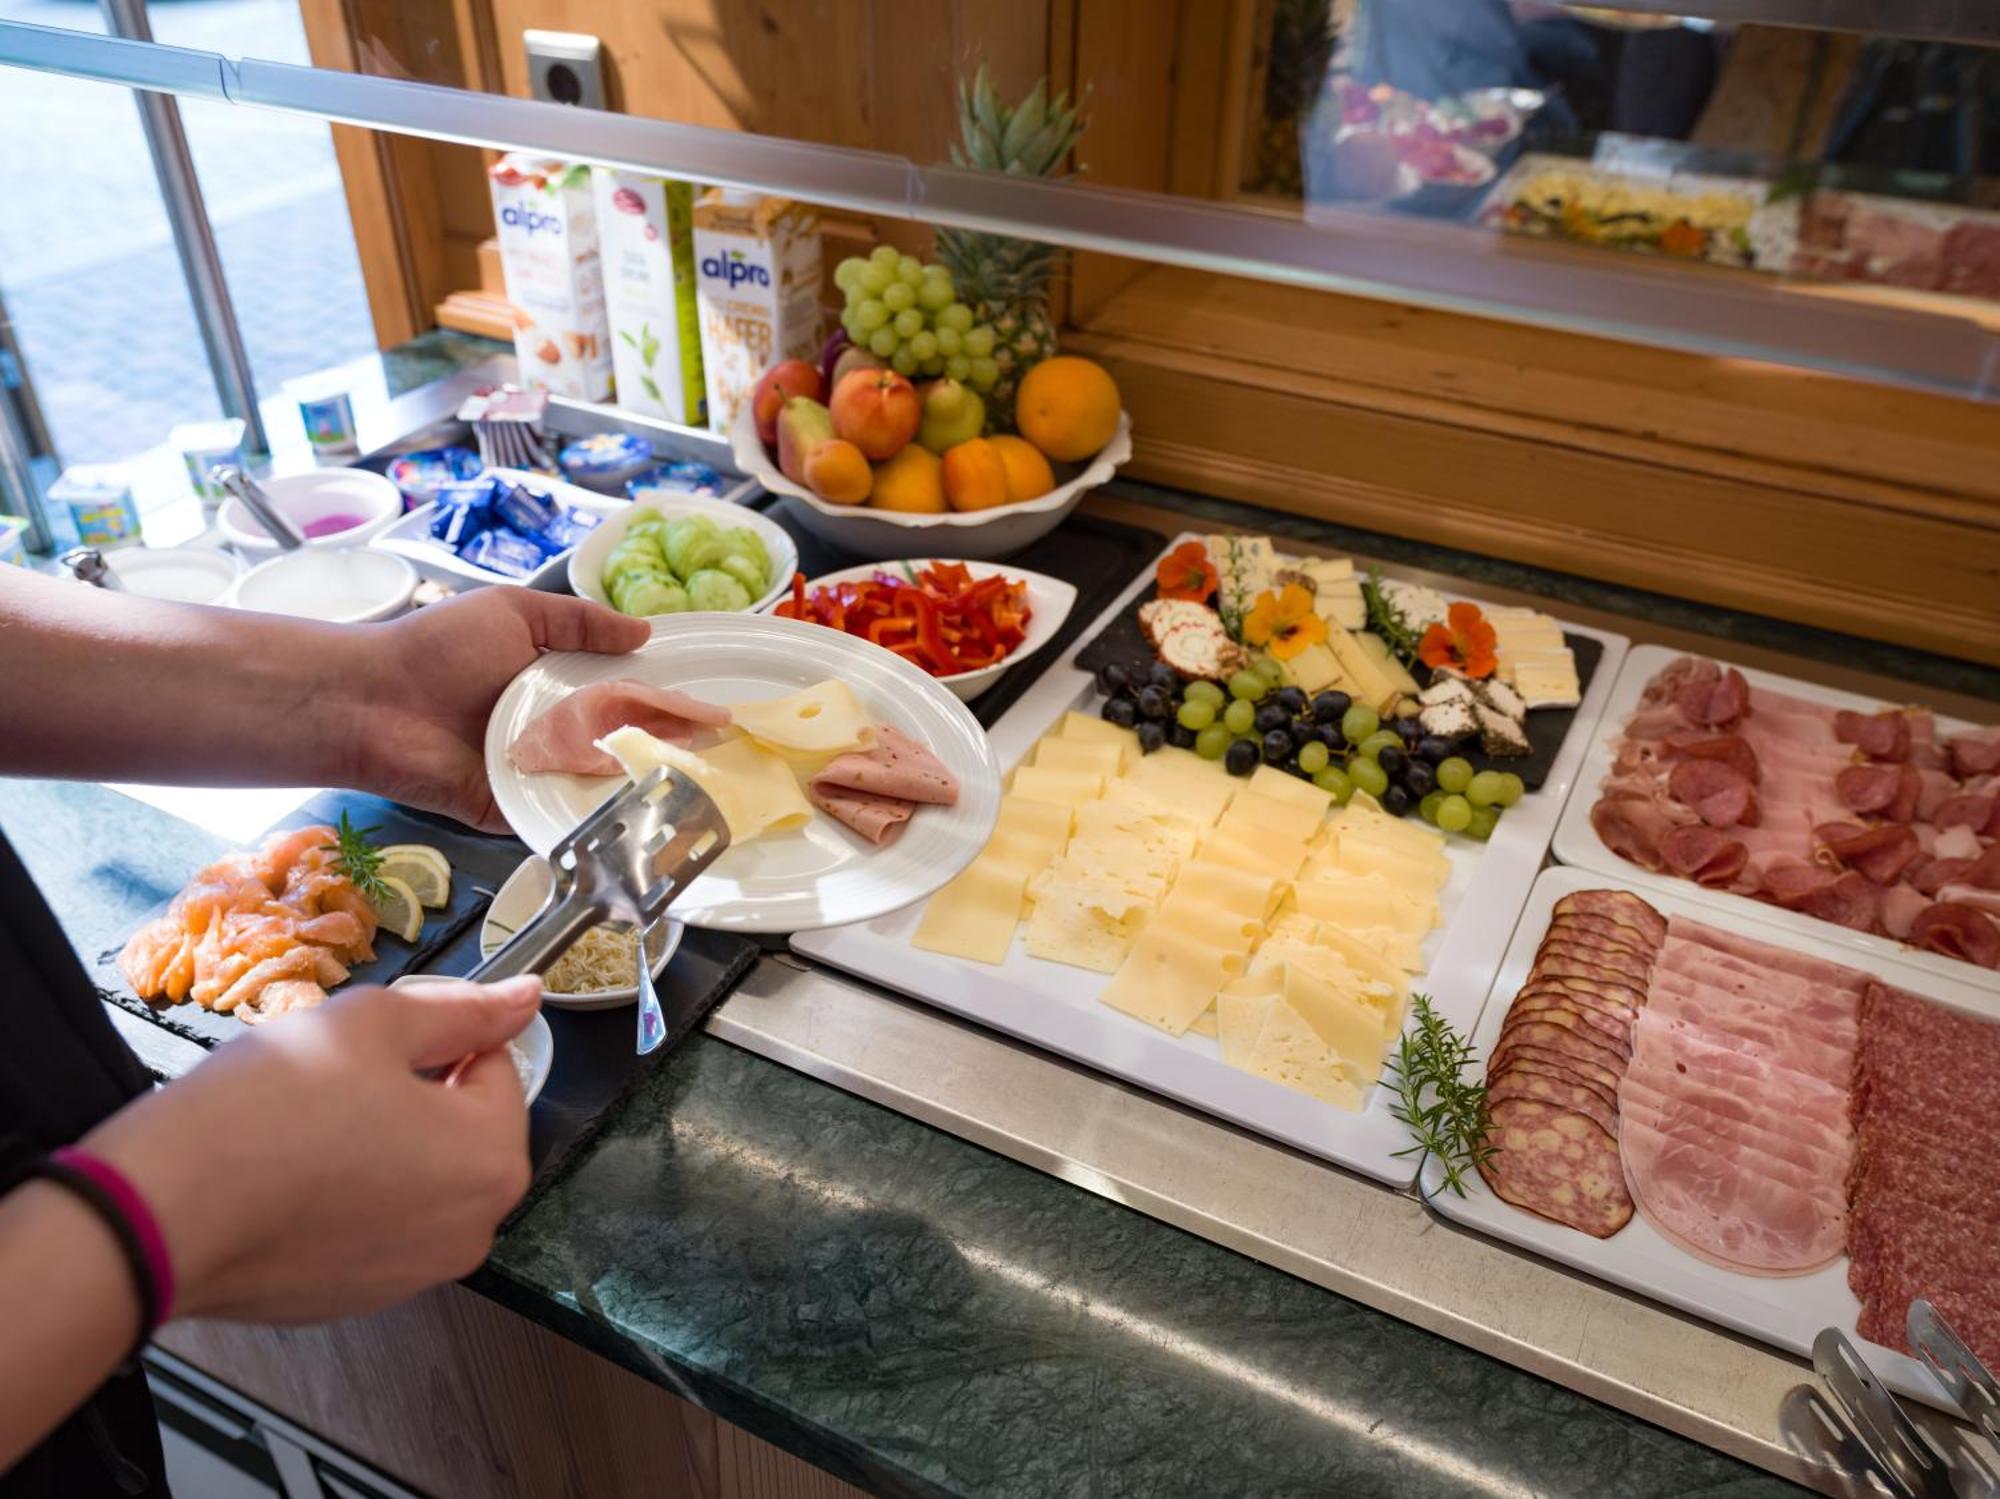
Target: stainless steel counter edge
{"points": [[1355, 1237]]}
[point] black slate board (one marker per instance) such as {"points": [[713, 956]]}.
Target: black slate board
{"points": [[595, 1066], [1121, 641], [1099, 557]]}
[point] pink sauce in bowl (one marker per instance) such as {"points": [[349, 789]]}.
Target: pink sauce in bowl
{"points": [[329, 525]]}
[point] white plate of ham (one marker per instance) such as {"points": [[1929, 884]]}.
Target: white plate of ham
{"points": [[853, 783], [1772, 1131], [1859, 822]]}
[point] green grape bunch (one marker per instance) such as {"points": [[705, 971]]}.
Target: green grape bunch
{"points": [[908, 313]]}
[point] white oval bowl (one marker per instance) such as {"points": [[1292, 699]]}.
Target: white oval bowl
{"points": [[305, 498], [1049, 602], [586, 562], [515, 905], [891, 534], [348, 586], [184, 575], [533, 1052]]}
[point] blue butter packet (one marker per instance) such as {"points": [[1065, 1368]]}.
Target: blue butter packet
{"points": [[503, 552], [522, 511], [566, 530], [685, 476]]}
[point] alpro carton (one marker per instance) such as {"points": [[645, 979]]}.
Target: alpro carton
{"points": [[757, 275], [547, 227], [645, 226]]}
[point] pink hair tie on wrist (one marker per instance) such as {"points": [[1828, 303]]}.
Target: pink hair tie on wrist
{"points": [[124, 1210]]}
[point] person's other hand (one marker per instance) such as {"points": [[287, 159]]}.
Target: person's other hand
{"points": [[424, 685], [306, 1171]]}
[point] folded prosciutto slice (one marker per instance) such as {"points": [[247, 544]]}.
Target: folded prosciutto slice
{"points": [[565, 737], [874, 791]]}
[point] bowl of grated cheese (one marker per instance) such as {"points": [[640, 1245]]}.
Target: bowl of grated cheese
{"points": [[601, 971]]}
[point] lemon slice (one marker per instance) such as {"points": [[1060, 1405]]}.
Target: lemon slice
{"points": [[398, 909], [422, 868]]}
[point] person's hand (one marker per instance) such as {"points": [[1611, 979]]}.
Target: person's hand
{"points": [[425, 684], [306, 1171]]}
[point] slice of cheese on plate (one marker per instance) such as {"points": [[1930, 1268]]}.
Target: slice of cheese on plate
{"points": [[753, 788], [1170, 977], [1083, 925], [821, 720], [974, 916]]}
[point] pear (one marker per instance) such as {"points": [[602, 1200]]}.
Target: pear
{"points": [[803, 424], [953, 413]]}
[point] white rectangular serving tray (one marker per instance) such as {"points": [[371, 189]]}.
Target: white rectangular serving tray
{"points": [[1786, 1312], [1054, 1005], [1577, 842]]}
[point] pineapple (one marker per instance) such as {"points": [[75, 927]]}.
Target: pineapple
{"points": [[1006, 281]]}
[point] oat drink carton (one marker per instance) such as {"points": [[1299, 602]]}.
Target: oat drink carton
{"points": [[757, 279]]}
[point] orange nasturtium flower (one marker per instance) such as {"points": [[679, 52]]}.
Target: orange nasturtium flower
{"points": [[1464, 640], [1284, 623], [1187, 573]]}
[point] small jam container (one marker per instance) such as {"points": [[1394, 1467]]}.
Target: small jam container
{"points": [[424, 476], [99, 498], [605, 460], [205, 447], [327, 412]]}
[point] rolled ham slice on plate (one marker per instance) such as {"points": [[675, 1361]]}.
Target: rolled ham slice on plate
{"points": [[875, 791]]}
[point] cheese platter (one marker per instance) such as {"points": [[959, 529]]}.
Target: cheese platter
{"points": [[1244, 938], [1755, 1137], [1870, 825]]}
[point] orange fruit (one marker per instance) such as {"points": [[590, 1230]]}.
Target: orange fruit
{"points": [[1029, 476], [975, 477], [912, 481], [1067, 407]]}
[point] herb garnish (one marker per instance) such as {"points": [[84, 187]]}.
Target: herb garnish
{"points": [[1446, 1113], [359, 859], [1386, 619]]}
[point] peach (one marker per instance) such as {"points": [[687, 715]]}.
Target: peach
{"points": [[975, 476], [838, 473], [778, 385], [876, 410], [912, 481], [1029, 476]]}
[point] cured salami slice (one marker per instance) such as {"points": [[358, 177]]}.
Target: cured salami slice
{"points": [[1719, 794], [1706, 855], [1559, 1164], [1957, 931], [1880, 736]]}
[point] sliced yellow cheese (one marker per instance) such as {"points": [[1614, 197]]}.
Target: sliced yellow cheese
{"points": [[1328, 569], [1156, 830], [1279, 859], [1268, 780], [1374, 685], [821, 720], [1198, 794], [1349, 1031], [1370, 966], [1237, 891], [974, 916], [1400, 949], [1039, 819], [1061, 788], [1092, 757], [1203, 1024], [1089, 730], [1379, 652], [753, 788], [1240, 1008], [1252, 813], [1314, 669], [1365, 900], [1071, 924], [1290, 1052], [1015, 848], [1170, 977], [1358, 853]]}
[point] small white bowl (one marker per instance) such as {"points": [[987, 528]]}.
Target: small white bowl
{"points": [[348, 586], [517, 902], [185, 575], [306, 498], [986, 534], [1049, 603], [533, 1051], [586, 562]]}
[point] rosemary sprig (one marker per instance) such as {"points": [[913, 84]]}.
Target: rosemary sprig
{"points": [[1388, 621], [359, 859], [1446, 1113], [1229, 597]]}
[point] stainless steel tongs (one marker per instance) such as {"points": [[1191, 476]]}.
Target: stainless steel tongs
{"points": [[1910, 1466], [625, 862], [1956, 1366]]}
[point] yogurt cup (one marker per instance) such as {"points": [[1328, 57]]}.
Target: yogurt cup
{"points": [[205, 447], [99, 499], [327, 412], [604, 461], [344, 585]]}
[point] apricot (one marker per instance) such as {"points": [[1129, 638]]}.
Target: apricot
{"points": [[975, 476], [837, 472], [1029, 476], [876, 410], [1067, 407], [912, 481]]}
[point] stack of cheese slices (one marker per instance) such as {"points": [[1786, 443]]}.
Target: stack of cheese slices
{"points": [[1239, 910]]}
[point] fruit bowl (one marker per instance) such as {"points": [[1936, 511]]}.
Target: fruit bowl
{"points": [[980, 535]]}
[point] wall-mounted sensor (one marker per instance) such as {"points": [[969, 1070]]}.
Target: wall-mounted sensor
{"points": [[566, 67]]}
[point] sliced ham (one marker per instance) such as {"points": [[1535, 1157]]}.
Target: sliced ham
{"points": [[564, 738], [1634, 827], [1719, 793], [1933, 875], [894, 766], [1713, 1205], [1705, 855], [1909, 795], [1957, 931]]}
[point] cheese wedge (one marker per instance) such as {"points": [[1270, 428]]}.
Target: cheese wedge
{"points": [[1398, 674], [1314, 669], [826, 719], [974, 916]]}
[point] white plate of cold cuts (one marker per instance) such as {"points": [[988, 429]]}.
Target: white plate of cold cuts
{"points": [[852, 782], [1868, 824], [1775, 1132]]}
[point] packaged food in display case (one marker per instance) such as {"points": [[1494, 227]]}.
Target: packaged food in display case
{"points": [[646, 230], [546, 222], [758, 264]]}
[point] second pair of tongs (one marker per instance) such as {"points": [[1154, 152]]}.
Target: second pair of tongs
{"points": [[1956, 1366], [1903, 1457], [626, 862]]}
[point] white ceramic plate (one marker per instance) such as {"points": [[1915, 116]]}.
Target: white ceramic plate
{"points": [[1049, 603], [1055, 1005], [1784, 1311], [586, 563], [410, 538], [820, 875], [1577, 841], [887, 533], [515, 905]]}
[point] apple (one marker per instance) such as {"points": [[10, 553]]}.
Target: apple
{"points": [[779, 384], [953, 413], [876, 410]]}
